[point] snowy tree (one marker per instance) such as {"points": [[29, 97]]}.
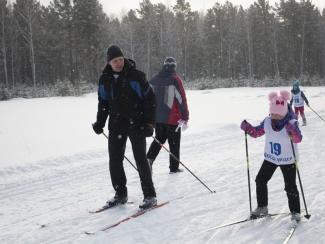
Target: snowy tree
{"points": [[3, 12], [184, 17], [26, 12], [87, 18], [63, 10]]}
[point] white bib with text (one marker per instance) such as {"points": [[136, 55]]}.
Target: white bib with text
{"points": [[297, 100], [278, 149]]}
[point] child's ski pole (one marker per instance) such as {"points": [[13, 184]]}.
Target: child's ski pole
{"points": [[248, 177], [307, 216], [316, 113]]}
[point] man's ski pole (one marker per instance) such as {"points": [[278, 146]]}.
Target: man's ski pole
{"points": [[307, 216], [124, 155], [316, 113], [248, 176], [182, 164]]}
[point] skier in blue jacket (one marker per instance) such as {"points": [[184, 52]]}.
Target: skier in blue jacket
{"points": [[298, 99]]}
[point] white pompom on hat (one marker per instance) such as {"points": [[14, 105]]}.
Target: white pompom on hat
{"points": [[278, 102]]}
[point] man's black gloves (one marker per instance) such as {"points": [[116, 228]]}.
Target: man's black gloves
{"points": [[97, 128]]}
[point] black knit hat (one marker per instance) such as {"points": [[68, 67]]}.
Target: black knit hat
{"points": [[113, 52]]}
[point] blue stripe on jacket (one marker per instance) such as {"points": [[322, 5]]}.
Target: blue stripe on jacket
{"points": [[102, 93], [136, 87]]}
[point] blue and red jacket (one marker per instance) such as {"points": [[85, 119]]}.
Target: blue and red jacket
{"points": [[171, 103]]}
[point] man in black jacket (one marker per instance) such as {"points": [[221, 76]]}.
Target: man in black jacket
{"points": [[126, 97]]}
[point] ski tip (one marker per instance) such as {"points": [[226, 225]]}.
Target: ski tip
{"points": [[97, 211], [89, 233], [102, 209], [93, 212]]}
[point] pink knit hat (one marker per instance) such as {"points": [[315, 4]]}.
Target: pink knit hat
{"points": [[278, 102]]}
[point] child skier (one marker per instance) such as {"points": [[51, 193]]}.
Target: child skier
{"points": [[279, 128], [298, 99]]}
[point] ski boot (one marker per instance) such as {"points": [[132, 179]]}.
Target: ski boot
{"points": [[295, 217], [116, 200], [259, 212], [148, 202], [173, 171]]}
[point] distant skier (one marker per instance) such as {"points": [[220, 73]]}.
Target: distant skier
{"points": [[298, 99], [279, 128], [171, 113]]}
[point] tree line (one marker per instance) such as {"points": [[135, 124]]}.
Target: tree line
{"points": [[65, 43]]}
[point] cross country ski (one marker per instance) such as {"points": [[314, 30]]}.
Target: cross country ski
{"points": [[242, 221], [291, 232], [133, 216]]}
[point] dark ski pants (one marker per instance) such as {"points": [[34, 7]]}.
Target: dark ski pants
{"points": [[166, 132], [116, 149], [289, 174]]}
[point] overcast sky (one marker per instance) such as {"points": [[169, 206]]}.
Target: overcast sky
{"points": [[118, 7]]}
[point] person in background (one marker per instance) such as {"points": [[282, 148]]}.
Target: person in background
{"points": [[172, 113], [281, 135], [298, 99], [126, 97]]}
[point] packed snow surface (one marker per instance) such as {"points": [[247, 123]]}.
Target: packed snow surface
{"points": [[54, 170]]}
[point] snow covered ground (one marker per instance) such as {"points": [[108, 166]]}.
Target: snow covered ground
{"points": [[54, 169]]}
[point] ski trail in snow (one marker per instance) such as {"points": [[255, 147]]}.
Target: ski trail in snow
{"points": [[22, 180], [38, 194], [44, 195]]}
